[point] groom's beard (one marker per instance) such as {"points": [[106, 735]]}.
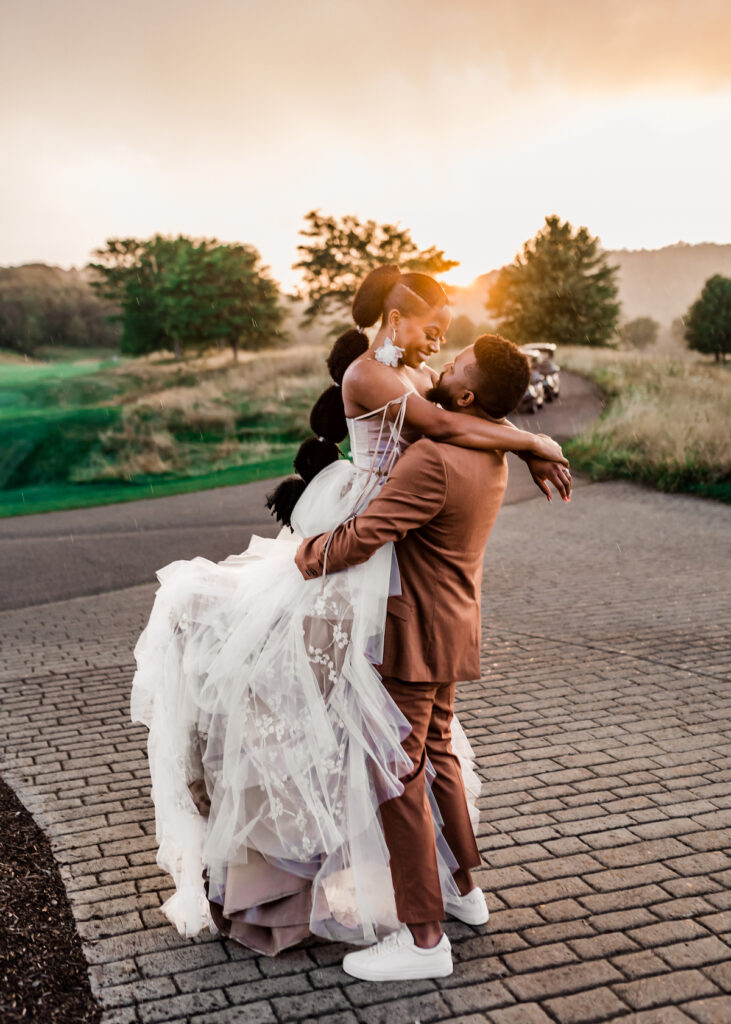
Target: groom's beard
{"points": [[439, 395]]}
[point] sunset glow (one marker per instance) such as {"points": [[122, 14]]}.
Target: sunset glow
{"points": [[467, 124]]}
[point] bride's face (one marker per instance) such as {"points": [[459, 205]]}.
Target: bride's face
{"points": [[421, 336]]}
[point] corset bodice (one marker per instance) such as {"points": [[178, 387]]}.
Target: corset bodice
{"points": [[375, 440]]}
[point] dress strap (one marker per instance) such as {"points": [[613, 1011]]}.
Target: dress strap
{"points": [[381, 408], [376, 472]]}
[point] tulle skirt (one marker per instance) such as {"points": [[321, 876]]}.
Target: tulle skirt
{"points": [[271, 739]]}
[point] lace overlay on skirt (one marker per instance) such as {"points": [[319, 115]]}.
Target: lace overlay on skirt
{"points": [[271, 739]]}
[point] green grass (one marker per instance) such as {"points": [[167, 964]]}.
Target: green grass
{"points": [[64, 495], [27, 385], [721, 491], [14, 371], [89, 432], [39, 446]]}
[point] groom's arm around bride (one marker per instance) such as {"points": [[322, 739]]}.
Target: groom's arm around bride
{"points": [[439, 505]]}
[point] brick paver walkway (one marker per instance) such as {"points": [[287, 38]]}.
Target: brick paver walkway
{"points": [[602, 731]]}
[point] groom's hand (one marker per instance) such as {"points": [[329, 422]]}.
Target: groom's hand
{"points": [[546, 473], [306, 558]]}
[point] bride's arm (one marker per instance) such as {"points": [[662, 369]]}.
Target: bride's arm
{"points": [[370, 386]]}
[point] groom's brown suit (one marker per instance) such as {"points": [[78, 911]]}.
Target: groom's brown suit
{"points": [[439, 505]]}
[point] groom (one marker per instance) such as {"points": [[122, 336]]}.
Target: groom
{"points": [[439, 505]]}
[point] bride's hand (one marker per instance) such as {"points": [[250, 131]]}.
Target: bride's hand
{"points": [[546, 448], [545, 473]]}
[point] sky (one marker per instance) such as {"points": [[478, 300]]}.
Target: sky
{"points": [[466, 122]]}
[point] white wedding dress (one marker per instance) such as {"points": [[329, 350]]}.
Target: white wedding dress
{"points": [[258, 690]]}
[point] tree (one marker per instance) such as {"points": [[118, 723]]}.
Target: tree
{"points": [[129, 273], [339, 253], [640, 332], [178, 293], [559, 289], [708, 321], [677, 329], [461, 332], [244, 299]]}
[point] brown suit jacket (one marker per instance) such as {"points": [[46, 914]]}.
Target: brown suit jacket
{"points": [[439, 505]]}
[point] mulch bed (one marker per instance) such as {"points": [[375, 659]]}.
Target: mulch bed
{"points": [[43, 973]]}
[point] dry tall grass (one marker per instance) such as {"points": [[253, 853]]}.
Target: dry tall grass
{"points": [[208, 414], [668, 421]]}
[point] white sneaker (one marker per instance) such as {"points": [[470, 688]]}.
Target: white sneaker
{"points": [[472, 908], [398, 958]]}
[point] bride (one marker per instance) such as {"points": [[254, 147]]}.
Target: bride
{"points": [[271, 741]]}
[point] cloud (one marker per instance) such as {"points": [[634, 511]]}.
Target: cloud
{"points": [[235, 117], [173, 64]]}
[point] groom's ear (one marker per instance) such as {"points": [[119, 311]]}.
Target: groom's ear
{"points": [[465, 398]]}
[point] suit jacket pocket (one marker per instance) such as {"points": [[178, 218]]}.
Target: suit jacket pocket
{"points": [[399, 607]]}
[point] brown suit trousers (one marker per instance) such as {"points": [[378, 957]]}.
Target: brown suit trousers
{"points": [[407, 819]]}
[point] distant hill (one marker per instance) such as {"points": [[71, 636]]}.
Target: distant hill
{"points": [[661, 283]]}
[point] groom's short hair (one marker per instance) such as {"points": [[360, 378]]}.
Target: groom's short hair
{"points": [[501, 375]]}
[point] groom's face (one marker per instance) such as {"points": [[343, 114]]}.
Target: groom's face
{"points": [[453, 390]]}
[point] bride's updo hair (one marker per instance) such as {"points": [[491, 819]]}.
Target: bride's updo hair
{"points": [[384, 289]]}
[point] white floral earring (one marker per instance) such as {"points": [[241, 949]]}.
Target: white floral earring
{"points": [[389, 352]]}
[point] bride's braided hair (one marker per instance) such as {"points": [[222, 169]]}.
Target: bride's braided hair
{"points": [[384, 289]]}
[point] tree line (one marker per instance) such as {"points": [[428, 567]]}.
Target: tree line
{"points": [[186, 295], [43, 306]]}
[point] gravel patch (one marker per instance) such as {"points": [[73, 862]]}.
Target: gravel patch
{"points": [[43, 973]]}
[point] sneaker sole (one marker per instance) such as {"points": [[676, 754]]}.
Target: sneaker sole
{"points": [[467, 919], [414, 974]]}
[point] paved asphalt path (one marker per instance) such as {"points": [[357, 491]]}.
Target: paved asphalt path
{"points": [[60, 555]]}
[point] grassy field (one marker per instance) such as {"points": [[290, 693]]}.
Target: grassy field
{"points": [[85, 432], [667, 421], [92, 431]]}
